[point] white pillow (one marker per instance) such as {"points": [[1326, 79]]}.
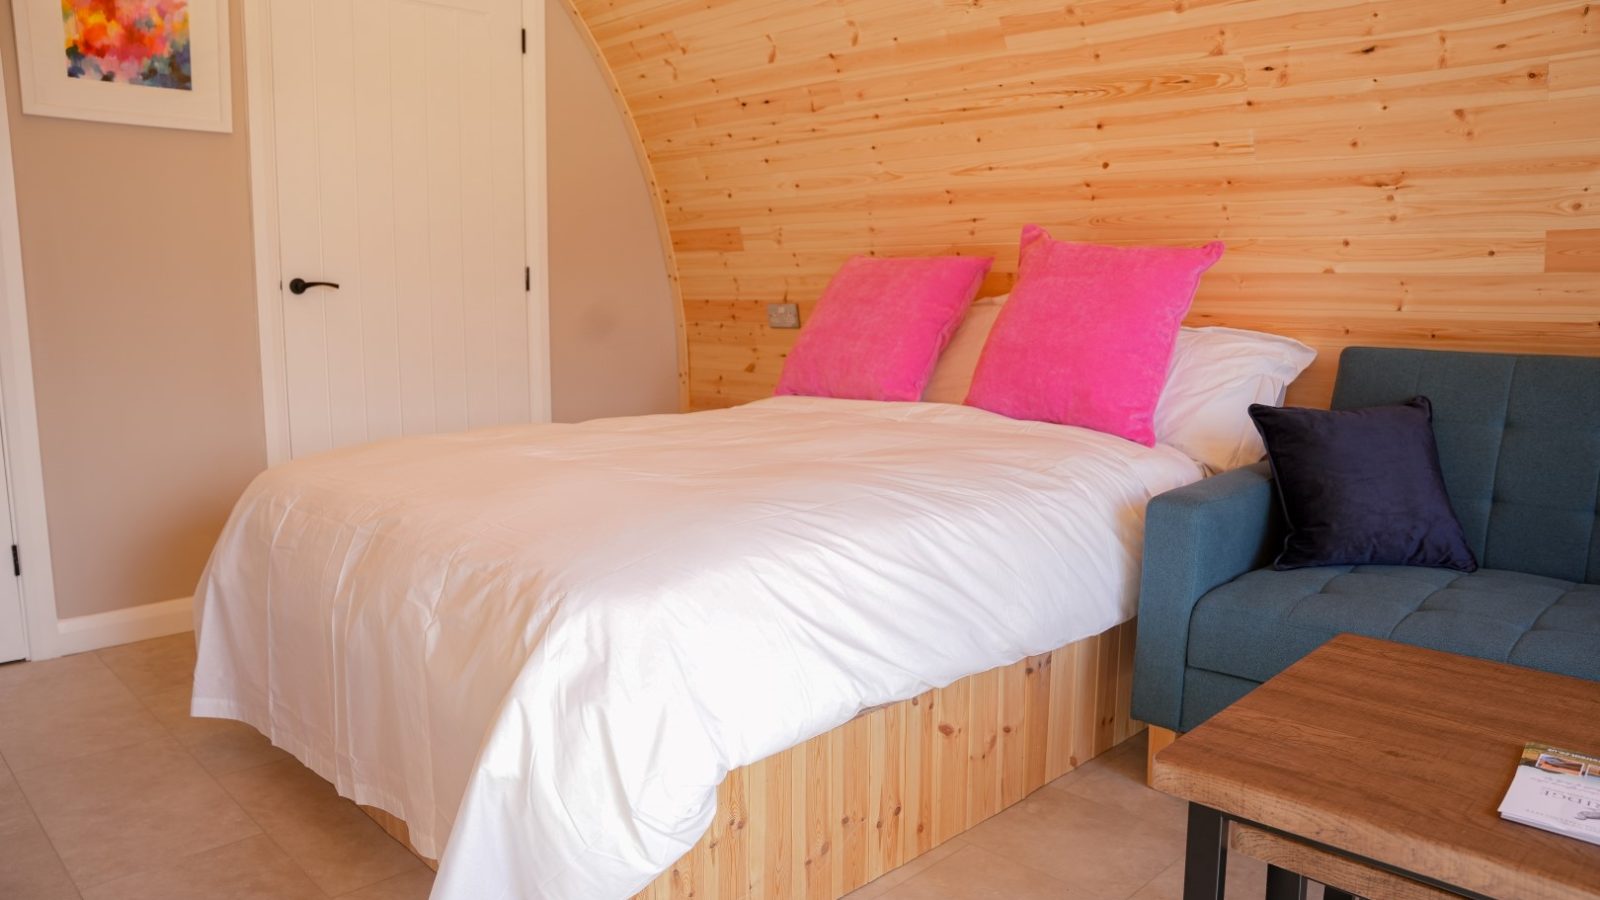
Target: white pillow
{"points": [[952, 374], [1216, 374]]}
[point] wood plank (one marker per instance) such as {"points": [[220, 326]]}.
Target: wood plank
{"points": [[1326, 868], [1012, 753], [951, 759], [984, 721], [1037, 709]]}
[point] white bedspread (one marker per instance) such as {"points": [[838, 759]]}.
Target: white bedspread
{"points": [[550, 643]]}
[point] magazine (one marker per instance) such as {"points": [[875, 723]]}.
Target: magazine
{"points": [[1557, 790]]}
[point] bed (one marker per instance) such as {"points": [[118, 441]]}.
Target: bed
{"points": [[772, 650]]}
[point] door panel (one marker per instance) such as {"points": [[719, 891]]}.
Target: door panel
{"points": [[400, 176]]}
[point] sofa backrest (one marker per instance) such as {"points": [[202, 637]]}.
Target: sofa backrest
{"points": [[1519, 443]]}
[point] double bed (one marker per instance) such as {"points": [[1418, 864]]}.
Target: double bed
{"points": [[772, 650]]}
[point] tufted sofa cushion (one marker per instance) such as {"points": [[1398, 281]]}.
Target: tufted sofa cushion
{"points": [[1256, 625], [1519, 446]]}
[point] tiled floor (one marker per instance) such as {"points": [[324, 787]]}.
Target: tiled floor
{"points": [[109, 791]]}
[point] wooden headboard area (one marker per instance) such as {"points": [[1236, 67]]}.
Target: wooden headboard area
{"points": [[1391, 172]]}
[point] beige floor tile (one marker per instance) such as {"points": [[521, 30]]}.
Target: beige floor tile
{"points": [[973, 873], [410, 886], [123, 811], [221, 745], [1098, 850], [150, 667], [338, 846], [1117, 779], [18, 673], [872, 890], [251, 869], [29, 866], [906, 872], [71, 710]]}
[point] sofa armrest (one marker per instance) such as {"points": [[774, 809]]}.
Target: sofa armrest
{"points": [[1195, 538]]}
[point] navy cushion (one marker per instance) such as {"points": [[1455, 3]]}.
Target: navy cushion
{"points": [[1361, 486], [1519, 446], [1256, 625]]}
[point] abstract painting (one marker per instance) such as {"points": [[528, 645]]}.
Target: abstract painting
{"points": [[144, 42], [161, 63]]}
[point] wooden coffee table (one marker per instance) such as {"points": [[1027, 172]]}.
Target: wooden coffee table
{"points": [[1377, 768]]}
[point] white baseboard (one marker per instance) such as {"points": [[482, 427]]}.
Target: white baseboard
{"points": [[124, 626]]}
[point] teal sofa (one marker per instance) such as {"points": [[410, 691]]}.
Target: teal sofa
{"points": [[1519, 445]]}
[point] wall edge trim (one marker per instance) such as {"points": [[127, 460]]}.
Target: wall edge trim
{"points": [[79, 634]]}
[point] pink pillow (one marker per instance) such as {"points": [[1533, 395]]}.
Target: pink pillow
{"points": [[880, 325], [1088, 333]]}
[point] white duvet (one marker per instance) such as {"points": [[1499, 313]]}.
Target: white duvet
{"points": [[549, 644]]}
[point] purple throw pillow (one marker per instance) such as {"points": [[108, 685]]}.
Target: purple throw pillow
{"points": [[1362, 487]]}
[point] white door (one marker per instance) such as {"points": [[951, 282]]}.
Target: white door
{"points": [[399, 149], [13, 637]]}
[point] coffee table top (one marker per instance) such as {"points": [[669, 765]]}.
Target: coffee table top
{"points": [[1400, 755]]}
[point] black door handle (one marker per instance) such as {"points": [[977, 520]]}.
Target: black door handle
{"points": [[300, 285]]}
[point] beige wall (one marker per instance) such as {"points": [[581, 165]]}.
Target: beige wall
{"points": [[613, 345], [137, 259]]}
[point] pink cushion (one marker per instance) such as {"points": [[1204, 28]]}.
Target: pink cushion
{"points": [[1087, 334], [879, 327]]}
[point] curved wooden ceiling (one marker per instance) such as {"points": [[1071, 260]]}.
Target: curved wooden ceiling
{"points": [[1384, 172]]}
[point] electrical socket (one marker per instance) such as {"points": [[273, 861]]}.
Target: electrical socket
{"points": [[783, 315]]}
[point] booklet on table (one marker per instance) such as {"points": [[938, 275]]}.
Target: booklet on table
{"points": [[1557, 790]]}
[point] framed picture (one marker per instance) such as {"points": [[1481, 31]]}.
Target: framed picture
{"points": [[138, 62]]}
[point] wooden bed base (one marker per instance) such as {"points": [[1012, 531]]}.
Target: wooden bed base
{"points": [[824, 818]]}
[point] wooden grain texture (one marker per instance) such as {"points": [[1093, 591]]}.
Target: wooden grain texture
{"points": [[829, 815], [1384, 172], [1401, 755], [1326, 868]]}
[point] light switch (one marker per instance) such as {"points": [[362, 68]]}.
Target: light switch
{"points": [[783, 315]]}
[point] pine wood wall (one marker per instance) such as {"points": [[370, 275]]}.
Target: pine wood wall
{"points": [[1393, 172]]}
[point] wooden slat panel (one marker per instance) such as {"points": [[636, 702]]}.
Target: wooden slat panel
{"points": [[854, 781], [1446, 153], [1065, 669], [951, 757], [983, 747], [827, 816], [1012, 753], [1036, 711], [1106, 681], [817, 797]]}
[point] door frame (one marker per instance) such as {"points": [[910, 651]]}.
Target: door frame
{"points": [[20, 419], [264, 218]]}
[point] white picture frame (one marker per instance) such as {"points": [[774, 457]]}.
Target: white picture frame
{"points": [[48, 90]]}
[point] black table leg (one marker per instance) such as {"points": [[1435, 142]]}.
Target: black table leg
{"points": [[1283, 884], [1205, 862]]}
